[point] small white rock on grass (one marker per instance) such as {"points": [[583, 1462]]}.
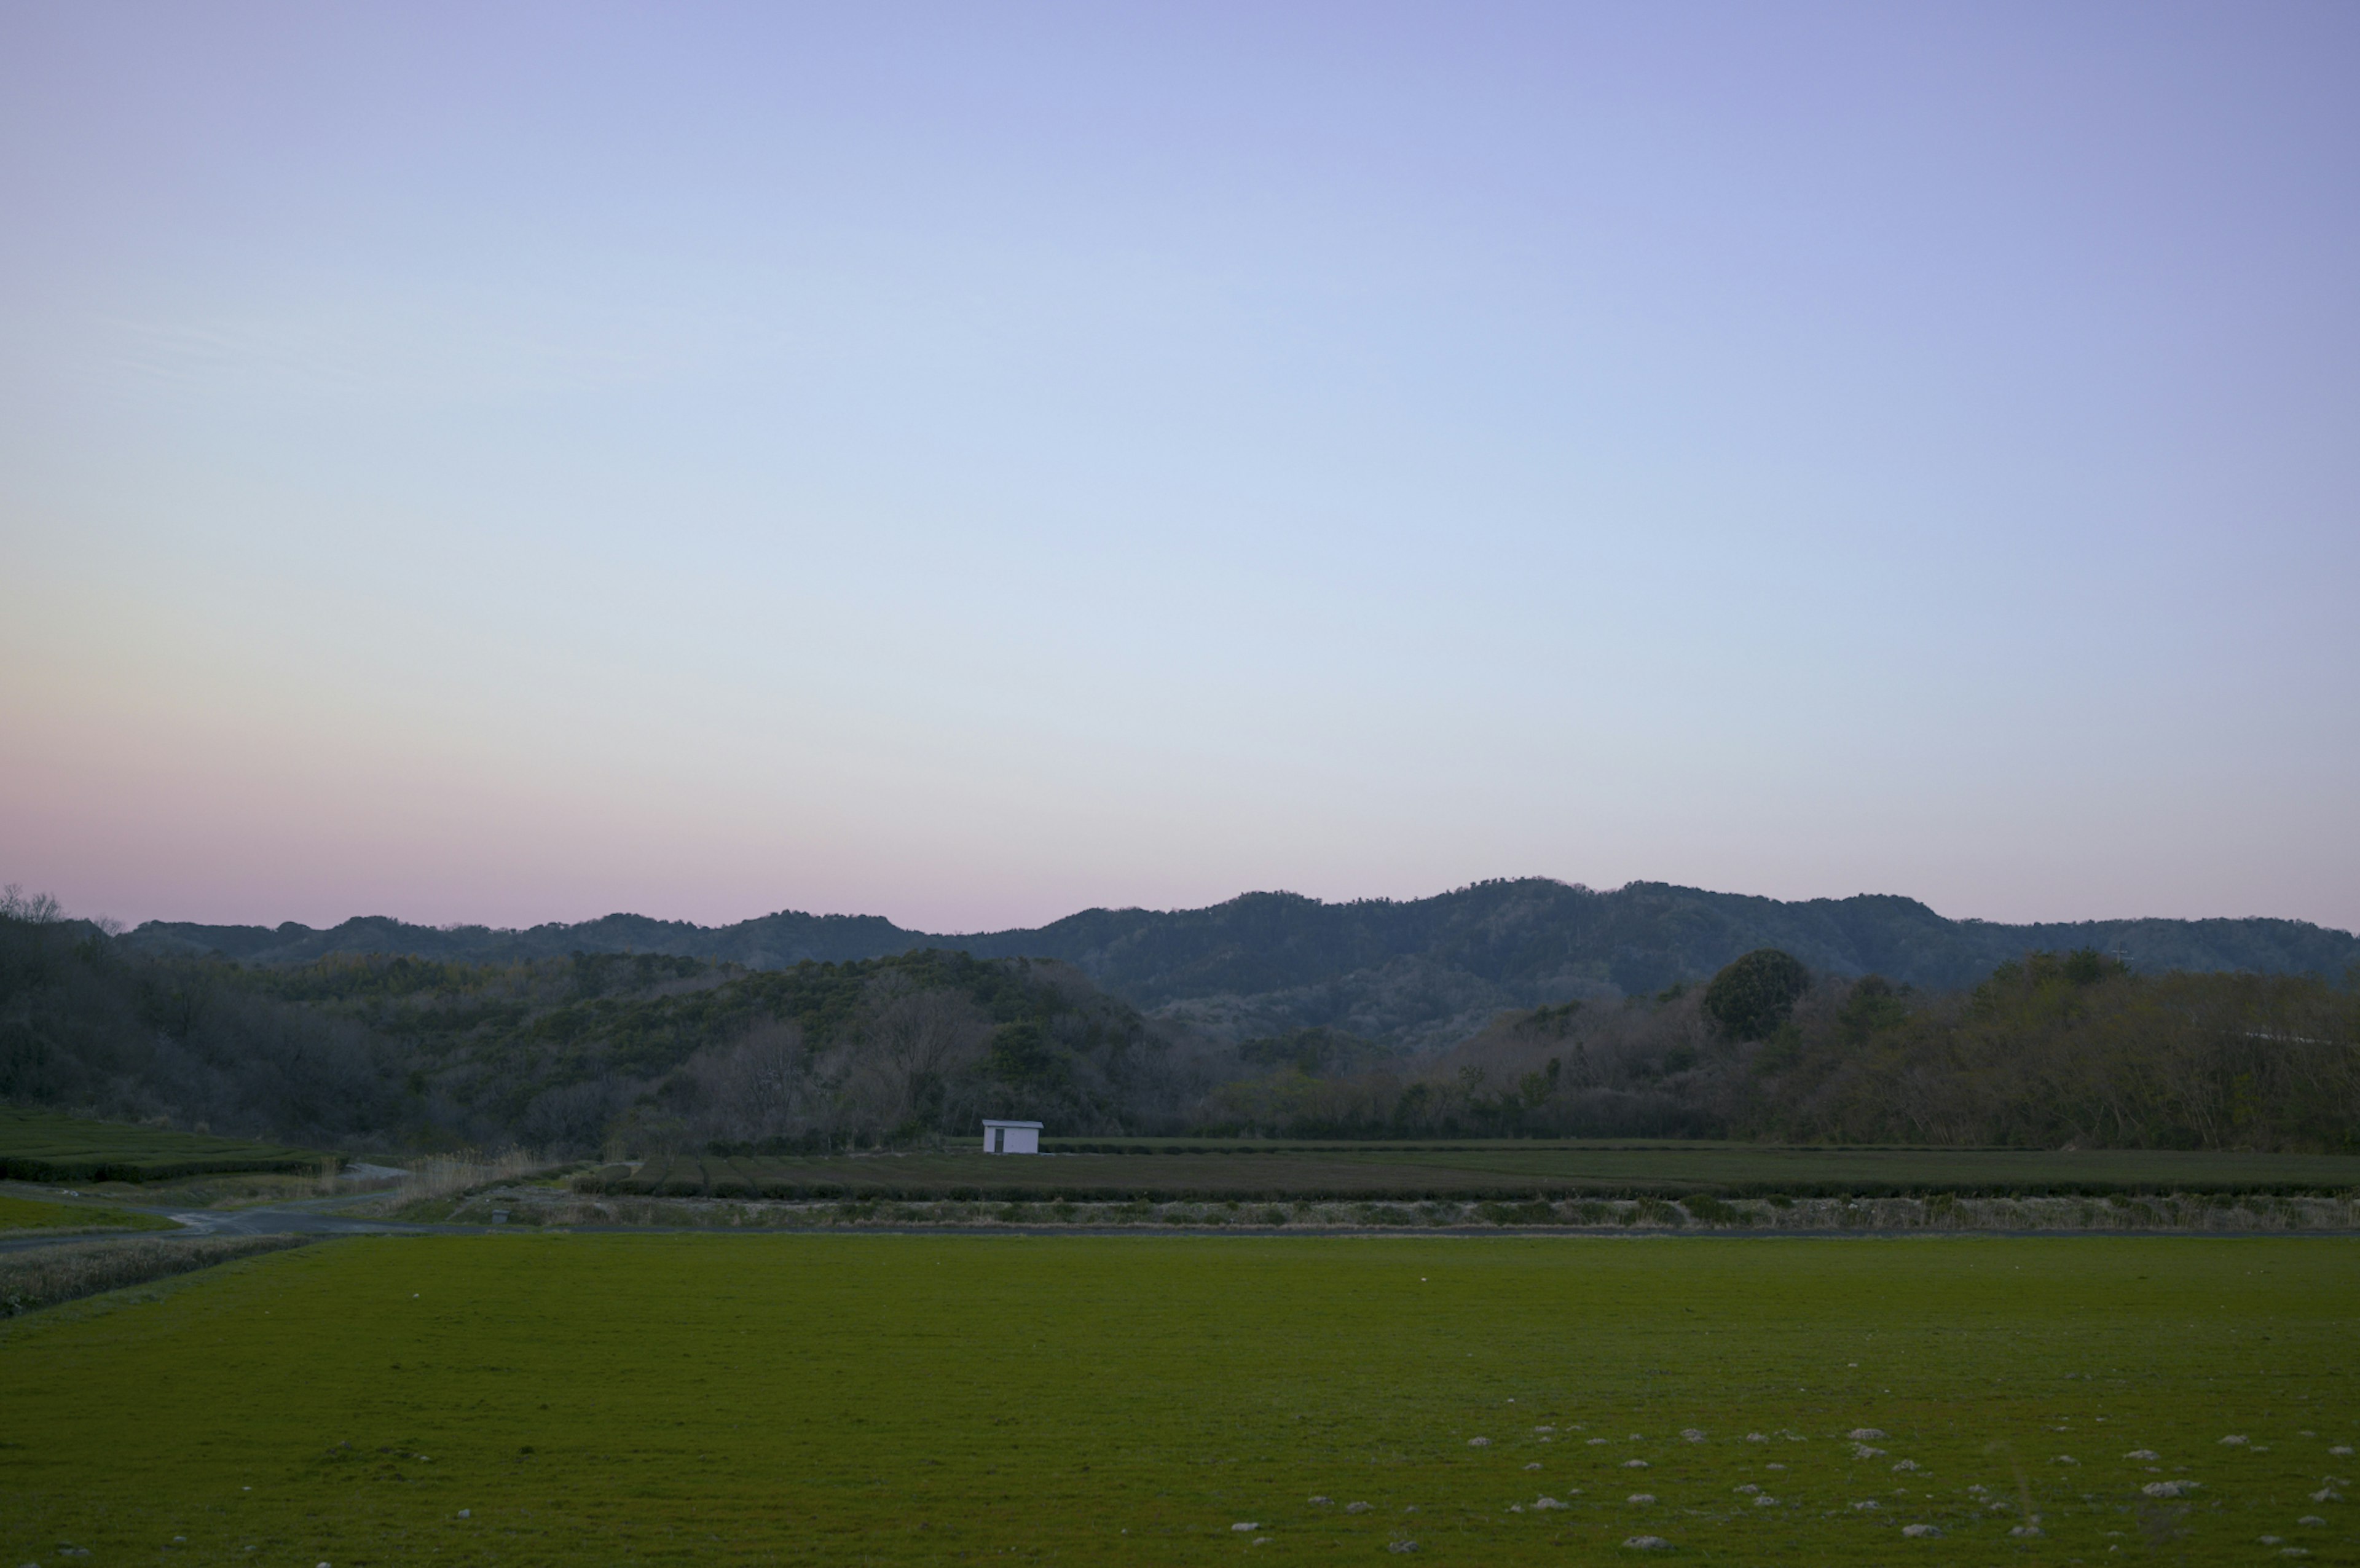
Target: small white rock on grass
{"points": [[1635, 1464], [1533, 1465], [2023, 1530], [1755, 1437], [1646, 1543], [1765, 1501], [1640, 1499], [2142, 1454], [2169, 1488], [2342, 1451], [1922, 1532], [1245, 1528], [1692, 1434], [1357, 1508], [1321, 1501], [1870, 1507], [2313, 1521], [1864, 1434], [1543, 1504], [2235, 1441], [1479, 1443]]}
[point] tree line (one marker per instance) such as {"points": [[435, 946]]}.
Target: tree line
{"points": [[617, 1054], [2050, 1050], [649, 1053]]}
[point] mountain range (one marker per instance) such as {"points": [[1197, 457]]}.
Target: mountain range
{"points": [[1412, 975]]}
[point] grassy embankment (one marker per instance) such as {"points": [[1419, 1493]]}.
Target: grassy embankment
{"points": [[24, 1216], [900, 1399]]}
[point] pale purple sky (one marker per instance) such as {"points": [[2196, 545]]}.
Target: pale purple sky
{"points": [[969, 462]]}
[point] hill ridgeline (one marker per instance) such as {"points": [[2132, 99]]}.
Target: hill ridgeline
{"points": [[1415, 974]]}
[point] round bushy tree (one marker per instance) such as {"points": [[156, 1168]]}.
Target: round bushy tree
{"points": [[1752, 997]]}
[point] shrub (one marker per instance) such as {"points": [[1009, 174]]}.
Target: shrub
{"points": [[1753, 995]]}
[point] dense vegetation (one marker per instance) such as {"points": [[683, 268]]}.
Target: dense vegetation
{"points": [[88, 1026], [651, 1052], [2050, 1050], [665, 1054], [1419, 974]]}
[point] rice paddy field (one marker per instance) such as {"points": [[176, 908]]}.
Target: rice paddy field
{"points": [[1498, 1169], [42, 1145], [530, 1399]]}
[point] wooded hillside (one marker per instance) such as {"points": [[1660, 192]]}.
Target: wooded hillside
{"points": [[1419, 974], [654, 1053], [649, 1051], [2050, 1050]]}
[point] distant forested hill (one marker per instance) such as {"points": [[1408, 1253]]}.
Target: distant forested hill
{"points": [[1418, 974], [660, 1051]]}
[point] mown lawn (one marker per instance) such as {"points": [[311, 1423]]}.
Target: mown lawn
{"points": [[888, 1399]]}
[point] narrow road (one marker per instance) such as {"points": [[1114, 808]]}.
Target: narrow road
{"points": [[302, 1216]]}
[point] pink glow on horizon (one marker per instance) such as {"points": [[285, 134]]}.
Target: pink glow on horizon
{"points": [[520, 465]]}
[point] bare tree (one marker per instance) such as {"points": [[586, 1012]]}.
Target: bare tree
{"points": [[919, 1043], [755, 1087]]}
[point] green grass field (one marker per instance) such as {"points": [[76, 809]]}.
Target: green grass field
{"points": [[42, 1145], [910, 1399], [34, 1215], [1500, 1169]]}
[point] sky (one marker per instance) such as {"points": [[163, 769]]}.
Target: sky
{"points": [[969, 462]]}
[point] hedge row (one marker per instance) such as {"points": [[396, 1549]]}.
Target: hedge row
{"points": [[23, 1168], [619, 1182]]}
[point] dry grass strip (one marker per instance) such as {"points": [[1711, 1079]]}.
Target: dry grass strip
{"points": [[42, 1276]]}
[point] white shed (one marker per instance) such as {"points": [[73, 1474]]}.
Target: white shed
{"points": [[1011, 1137]]}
